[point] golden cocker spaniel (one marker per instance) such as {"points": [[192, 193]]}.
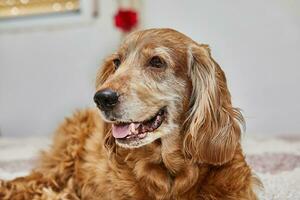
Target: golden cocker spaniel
{"points": [[165, 129]]}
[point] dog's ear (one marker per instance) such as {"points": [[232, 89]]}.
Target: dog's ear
{"points": [[213, 125]]}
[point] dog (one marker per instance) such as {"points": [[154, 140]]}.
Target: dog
{"points": [[165, 128]]}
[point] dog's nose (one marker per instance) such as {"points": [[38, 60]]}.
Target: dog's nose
{"points": [[106, 99]]}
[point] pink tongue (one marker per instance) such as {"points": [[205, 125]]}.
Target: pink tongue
{"points": [[121, 131]]}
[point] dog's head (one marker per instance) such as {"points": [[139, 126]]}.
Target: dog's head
{"points": [[159, 84]]}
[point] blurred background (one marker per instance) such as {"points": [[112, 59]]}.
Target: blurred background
{"points": [[50, 52]]}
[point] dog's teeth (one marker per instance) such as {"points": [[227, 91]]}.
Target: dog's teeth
{"points": [[158, 118], [132, 128], [142, 135], [136, 126]]}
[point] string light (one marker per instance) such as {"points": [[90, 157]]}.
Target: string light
{"points": [[11, 8], [69, 5], [56, 6], [15, 11]]}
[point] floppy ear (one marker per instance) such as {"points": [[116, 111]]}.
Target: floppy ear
{"points": [[213, 125]]}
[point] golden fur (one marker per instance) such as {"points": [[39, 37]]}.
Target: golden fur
{"points": [[194, 154]]}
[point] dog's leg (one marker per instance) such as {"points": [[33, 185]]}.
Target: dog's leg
{"points": [[36, 187], [54, 177]]}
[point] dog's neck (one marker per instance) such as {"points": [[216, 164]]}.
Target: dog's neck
{"points": [[162, 164], [171, 152], [165, 152]]}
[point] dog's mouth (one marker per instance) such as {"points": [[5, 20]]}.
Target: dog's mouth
{"points": [[135, 131]]}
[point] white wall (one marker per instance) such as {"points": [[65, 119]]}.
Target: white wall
{"points": [[46, 74]]}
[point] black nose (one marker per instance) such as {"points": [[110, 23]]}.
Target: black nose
{"points": [[106, 99]]}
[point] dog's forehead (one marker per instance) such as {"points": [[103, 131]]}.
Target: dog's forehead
{"points": [[153, 39]]}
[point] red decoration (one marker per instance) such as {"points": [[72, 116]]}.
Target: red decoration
{"points": [[126, 19]]}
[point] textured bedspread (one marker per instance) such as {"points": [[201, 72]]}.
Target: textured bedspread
{"points": [[276, 160]]}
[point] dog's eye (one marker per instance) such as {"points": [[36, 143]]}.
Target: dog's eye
{"points": [[117, 63], [157, 62]]}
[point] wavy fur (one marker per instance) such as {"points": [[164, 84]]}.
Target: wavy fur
{"points": [[194, 154]]}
